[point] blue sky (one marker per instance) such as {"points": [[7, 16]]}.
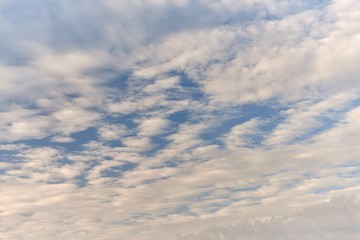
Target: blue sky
{"points": [[184, 120]]}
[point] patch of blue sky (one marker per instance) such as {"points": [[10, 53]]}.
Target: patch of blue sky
{"points": [[179, 116], [159, 142], [348, 165], [180, 93], [200, 197], [356, 102], [191, 89], [350, 175], [80, 138], [117, 81], [83, 137], [326, 124], [326, 121], [316, 4], [114, 143], [322, 191], [118, 171], [37, 143], [214, 207], [213, 135], [72, 95], [172, 162], [246, 17], [7, 155], [241, 114], [63, 161], [290, 184], [182, 209], [81, 180], [348, 170], [20, 102], [123, 119]]}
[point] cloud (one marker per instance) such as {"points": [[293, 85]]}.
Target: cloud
{"points": [[330, 220], [62, 139], [307, 117], [80, 119], [240, 135], [152, 126], [294, 63], [19, 123], [143, 119], [112, 132]]}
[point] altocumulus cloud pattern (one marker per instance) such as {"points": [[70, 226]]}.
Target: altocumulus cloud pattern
{"points": [[179, 119]]}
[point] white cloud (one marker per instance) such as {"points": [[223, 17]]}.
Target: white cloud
{"points": [[162, 84], [137, 144], [152, 126], [335, 219], [12, 147], [18, 123], [248, 67], [308, 116], [140, 71], [137, 104], [240, 135], [112, 132], [73, 119]]}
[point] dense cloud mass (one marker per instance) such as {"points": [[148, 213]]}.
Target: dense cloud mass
{"points": [[160, 119]]}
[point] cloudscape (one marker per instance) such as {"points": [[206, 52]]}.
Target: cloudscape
{"points": [[179, 119]]}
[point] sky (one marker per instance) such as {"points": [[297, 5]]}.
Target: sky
{"points": [[179, 119]]}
